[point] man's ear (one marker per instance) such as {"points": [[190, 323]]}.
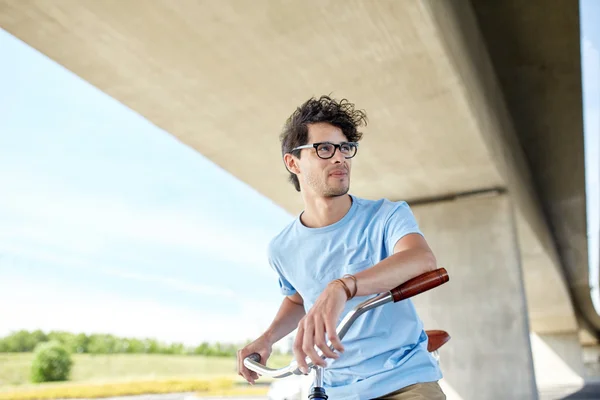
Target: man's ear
{"points": [[291, 163]]}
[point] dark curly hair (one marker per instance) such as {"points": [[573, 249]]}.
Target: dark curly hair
{"points": [[325, 109]]}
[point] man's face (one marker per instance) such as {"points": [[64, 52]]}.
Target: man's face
{"points": [[324, 177]]}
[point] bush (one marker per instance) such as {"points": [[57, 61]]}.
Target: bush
{"points": [[51, 363]]}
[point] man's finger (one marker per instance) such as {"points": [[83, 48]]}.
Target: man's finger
{"points": [[332, 335], [321, 342], [308, 343], [253, 377], [298, 353], [247, 374], [240, 364]]}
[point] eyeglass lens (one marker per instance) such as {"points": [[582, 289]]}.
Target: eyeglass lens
{"points": [[326, 150]]}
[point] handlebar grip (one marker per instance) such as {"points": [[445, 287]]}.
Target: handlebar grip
{"points": [[420, 284], [254, 357]]}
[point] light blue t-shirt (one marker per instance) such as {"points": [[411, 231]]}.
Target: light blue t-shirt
{"points": [[386, 348]]}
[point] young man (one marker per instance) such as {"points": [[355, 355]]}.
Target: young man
{"points": [[338, 252]]}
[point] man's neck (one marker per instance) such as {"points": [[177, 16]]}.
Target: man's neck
{"points": [[324, 211]]}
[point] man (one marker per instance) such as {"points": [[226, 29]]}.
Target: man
{"points": [[338, 252]]}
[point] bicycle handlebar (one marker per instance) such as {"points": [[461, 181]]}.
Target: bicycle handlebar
{"points": [[410, 288], [420, 284]]}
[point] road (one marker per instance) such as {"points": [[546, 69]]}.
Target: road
{"points": [[178, 396], [589, 392]]}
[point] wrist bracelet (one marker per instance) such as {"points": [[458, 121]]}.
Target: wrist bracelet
{"points": [[355, 284], [348, 293]]}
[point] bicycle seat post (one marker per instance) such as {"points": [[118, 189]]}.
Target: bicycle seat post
{"points": [[318, 392]]}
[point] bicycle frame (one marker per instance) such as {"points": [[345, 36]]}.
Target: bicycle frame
{"points": [[408, 289]]}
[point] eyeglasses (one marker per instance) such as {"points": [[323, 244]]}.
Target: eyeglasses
{"points": [[326, 150]]}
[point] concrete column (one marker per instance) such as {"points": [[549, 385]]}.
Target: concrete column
{"points": [[483, 307], [558, 360], [591, 362]]}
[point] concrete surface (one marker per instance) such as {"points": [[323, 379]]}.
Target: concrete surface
{"points": [[549, 304], [462, 96], [536, 57], [590, 391], [223, 76], [557, 360], [483, 306]]}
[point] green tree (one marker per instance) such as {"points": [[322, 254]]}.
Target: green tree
{"points": [[38, 337], [80, 343], [23, 341], [67, 339], [102, 344], [135, 346], [202, 349], [151, 346]]}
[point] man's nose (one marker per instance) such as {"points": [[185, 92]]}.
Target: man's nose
{"points": [[338, 157]]}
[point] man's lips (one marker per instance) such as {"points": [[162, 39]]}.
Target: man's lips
{"points": [[338, 173]]}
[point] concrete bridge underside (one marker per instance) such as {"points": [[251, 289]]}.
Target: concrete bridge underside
{"points": [[463, 98]]}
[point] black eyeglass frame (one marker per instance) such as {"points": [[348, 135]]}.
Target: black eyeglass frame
{"points": [[336, 146]]}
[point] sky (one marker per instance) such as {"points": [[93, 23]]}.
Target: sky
{"points": [[109, 224], [590, 65]]}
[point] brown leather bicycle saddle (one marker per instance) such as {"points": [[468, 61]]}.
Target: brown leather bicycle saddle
{"points": [[437, 339]]}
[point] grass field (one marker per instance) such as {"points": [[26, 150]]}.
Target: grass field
{"points": [[125, 373]]}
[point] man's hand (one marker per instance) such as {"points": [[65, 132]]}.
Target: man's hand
{"points": [[318, 326], [261, 346]]}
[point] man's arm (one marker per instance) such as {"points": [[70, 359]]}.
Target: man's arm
{"points": [[286, 320], [412, 257]]}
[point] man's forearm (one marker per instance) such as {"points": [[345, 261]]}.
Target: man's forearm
{"points": [[285, 321], [393, 271]]}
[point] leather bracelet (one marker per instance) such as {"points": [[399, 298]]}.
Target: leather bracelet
{"points": [[355, 284], [348, 293]]}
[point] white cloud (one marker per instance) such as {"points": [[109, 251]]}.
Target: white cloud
{"points": [[84, 225], [77, 231], [82, 264], [26, 303], [103, 201], [43, 307]]}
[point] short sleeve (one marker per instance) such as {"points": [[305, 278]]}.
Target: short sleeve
{"points": [[398, 224], [285, 287]]}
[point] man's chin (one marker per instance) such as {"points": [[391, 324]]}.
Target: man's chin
{"points": [[337, 192]]}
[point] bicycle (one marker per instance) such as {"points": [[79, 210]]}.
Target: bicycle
{"points": [[413, 287]]}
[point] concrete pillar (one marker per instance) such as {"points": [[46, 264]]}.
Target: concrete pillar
{"points": [[558, 360], [483, 307], [591, 362]]}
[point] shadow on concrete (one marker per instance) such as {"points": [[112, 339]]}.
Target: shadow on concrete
{"points": [[589, 391]]}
